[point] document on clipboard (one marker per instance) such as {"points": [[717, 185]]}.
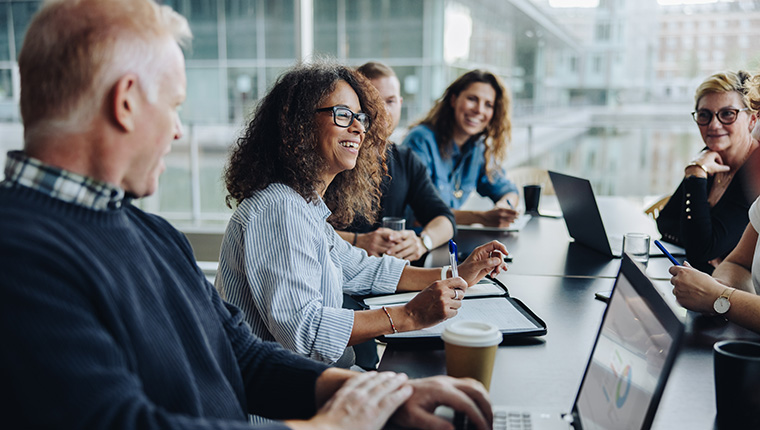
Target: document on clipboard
{"points": [[485, 301]]}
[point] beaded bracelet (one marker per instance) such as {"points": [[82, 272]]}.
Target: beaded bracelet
{"points": [[393, 326]]}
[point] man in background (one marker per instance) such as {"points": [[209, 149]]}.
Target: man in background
{"points": [[108, 321], [407, 184]]}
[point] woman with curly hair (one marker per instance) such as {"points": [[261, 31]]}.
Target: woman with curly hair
{"points": [[708, 211], [311, 153], [463, 142]]}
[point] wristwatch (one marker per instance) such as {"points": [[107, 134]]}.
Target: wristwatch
{"points": [[427, 242], [722, 304]]}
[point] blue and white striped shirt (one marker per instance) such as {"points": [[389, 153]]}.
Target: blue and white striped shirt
{"points": [[285, 266]]}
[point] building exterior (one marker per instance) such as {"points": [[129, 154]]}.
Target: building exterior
{"points": [[700, 39]]}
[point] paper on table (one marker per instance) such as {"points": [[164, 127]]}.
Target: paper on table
{"points": [[496, 310], [515, 226], [482, 289]]}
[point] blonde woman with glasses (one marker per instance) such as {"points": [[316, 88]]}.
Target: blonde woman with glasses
{"points": [[708, 211]]}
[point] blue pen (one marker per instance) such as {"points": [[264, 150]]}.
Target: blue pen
{"points": [[453, 258], [667, 254]]}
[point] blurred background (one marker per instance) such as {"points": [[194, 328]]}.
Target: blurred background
{"points": [[601, 89]]}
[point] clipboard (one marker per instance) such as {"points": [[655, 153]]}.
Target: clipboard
{"points": [[511, 315]]}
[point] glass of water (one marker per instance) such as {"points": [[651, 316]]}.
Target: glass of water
{"points": [[637, 246], [394, 223]]}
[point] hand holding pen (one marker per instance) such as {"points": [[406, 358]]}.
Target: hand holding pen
{"points": [[453, 258], [484, 260], [667, 254]]}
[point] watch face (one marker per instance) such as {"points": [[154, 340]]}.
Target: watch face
{"points": [[721, 305], [427, 241]]}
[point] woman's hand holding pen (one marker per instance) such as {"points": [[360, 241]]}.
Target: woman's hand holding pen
{"points": [[693, 289], [438, 302], [498, 217], [485, 260]]}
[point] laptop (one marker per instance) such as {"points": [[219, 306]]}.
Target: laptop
{"points": [[584, 221], [630, 362]]}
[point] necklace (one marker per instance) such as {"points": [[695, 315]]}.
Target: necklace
{"points": [[458, 193]]}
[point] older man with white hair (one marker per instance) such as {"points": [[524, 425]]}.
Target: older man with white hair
{"points": [[107, 320]]}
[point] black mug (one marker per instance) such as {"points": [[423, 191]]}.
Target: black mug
{"points": [[532, 195], [737, 384]]}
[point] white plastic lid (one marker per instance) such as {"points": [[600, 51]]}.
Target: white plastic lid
{"points": [[471, 333]]}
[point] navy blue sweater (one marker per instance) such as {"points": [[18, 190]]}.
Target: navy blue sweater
{"points": [[108, 323]]}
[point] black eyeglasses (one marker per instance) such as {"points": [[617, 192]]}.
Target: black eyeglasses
{"points": [[726, 116], [343, 117]]}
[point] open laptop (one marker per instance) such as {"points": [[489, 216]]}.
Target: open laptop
{"points": [[584, 221], [629, 365]]}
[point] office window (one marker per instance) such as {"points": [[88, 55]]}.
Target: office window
{"points": [[280, 33], [6, 85], [174, 193], [5, 48], [384, 28], [241, 20], [242, 91], [202, 16], [602, 31], [204, 104], [211, 160], [22, 14], [597, 64], [326, 27]]}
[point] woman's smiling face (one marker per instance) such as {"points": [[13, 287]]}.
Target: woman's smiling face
{"points": [[473, 110], [339, 146]]}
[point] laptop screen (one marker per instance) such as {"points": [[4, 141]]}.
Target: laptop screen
{"points": [[629, 363]]}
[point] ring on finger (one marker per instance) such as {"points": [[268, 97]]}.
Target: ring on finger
{"points": [[456, 293]]}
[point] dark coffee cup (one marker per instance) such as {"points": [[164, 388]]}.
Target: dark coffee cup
{"points": [[737, 384], [532, 195]]}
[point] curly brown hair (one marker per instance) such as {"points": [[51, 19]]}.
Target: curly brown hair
{"points": [[279, 144], [497, 134]]}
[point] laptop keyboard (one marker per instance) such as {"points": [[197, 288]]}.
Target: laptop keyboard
{"points": [[502, 420]]}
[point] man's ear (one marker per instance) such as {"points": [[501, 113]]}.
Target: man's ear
{"points": [[125, 100]]}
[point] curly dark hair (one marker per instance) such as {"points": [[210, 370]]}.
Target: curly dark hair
{"points": [[279, 144], [498, 133]]}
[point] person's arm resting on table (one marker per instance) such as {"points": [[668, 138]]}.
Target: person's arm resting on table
{"points": [[698, 291]]}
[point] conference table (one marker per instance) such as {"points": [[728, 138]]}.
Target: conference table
{"points": [[557, 279]]}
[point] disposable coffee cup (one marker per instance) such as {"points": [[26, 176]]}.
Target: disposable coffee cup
{"points": [[737, 384], [471, 349], [531, 195], [394, 223]]}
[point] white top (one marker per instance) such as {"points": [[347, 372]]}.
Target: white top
{"points": [[754, 219]]}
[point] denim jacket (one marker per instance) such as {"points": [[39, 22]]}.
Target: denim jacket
{"points": [[463, 171]]}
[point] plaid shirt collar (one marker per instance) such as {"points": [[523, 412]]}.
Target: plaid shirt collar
{"points": [[22, 170]]}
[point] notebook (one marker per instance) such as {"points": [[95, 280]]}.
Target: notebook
{"points": [[630, 362], [584, 221], [488, 300]]}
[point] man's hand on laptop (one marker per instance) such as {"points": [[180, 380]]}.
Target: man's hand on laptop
{"points": [[461, 394]]}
